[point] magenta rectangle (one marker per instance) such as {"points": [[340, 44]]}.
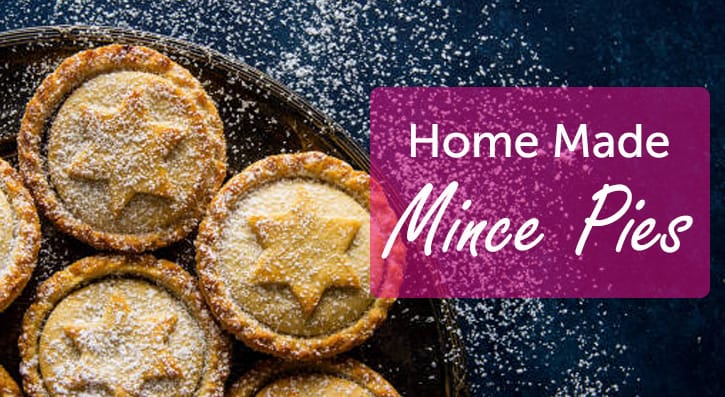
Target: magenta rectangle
{"points": [[540, 192]]}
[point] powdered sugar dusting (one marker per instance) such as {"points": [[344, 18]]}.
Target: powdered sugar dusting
{"points": [[122, 336], [277, 304], [7, 226], [125, 153], [334, 56], [523, 341]]}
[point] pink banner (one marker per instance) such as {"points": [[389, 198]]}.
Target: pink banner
{"points": [[540, 192]]}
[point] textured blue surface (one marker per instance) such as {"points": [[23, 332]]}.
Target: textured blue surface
{"points": [[674, 347]]}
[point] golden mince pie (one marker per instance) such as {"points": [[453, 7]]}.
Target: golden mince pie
{"points": [[343, 377], [122, 148], [122, 326], [19, 235], [8, 387], [283, 257]]}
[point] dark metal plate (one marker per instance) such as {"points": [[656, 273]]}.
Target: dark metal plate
{"points": [[418, 348]]}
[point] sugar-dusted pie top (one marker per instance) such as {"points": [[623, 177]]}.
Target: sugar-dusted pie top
{"points": [[124, 152], [122, 326], [122, 148], [121, 337], [296, 254], [283, 257], [7, 227], [19, 235], [314, 385], [327, 378]]}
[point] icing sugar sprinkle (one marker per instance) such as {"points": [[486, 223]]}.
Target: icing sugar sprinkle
{"points": [[334, 55]]}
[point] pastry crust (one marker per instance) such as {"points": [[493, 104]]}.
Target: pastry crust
{"points": [[26, 237], [8, 387], [49, 97], [269, 371], [313, 166], [161, 273]]}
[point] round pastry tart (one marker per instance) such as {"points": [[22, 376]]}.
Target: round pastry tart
{"points": [[19, 235], [283, 257], [122, 148], [8, 387], [122, 326], [344, 377]]}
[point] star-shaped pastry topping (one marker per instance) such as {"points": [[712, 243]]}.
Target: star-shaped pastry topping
{"points": [[305, 251], [118, 338], [127, 150]]}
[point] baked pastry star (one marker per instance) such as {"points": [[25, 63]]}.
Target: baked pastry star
{"points": [[121, 325], [283, 257], [115, 332], [304, 250], [122, 148], [127, 151]]}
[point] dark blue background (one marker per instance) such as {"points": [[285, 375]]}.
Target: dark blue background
{"points": [[675, 347]]}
